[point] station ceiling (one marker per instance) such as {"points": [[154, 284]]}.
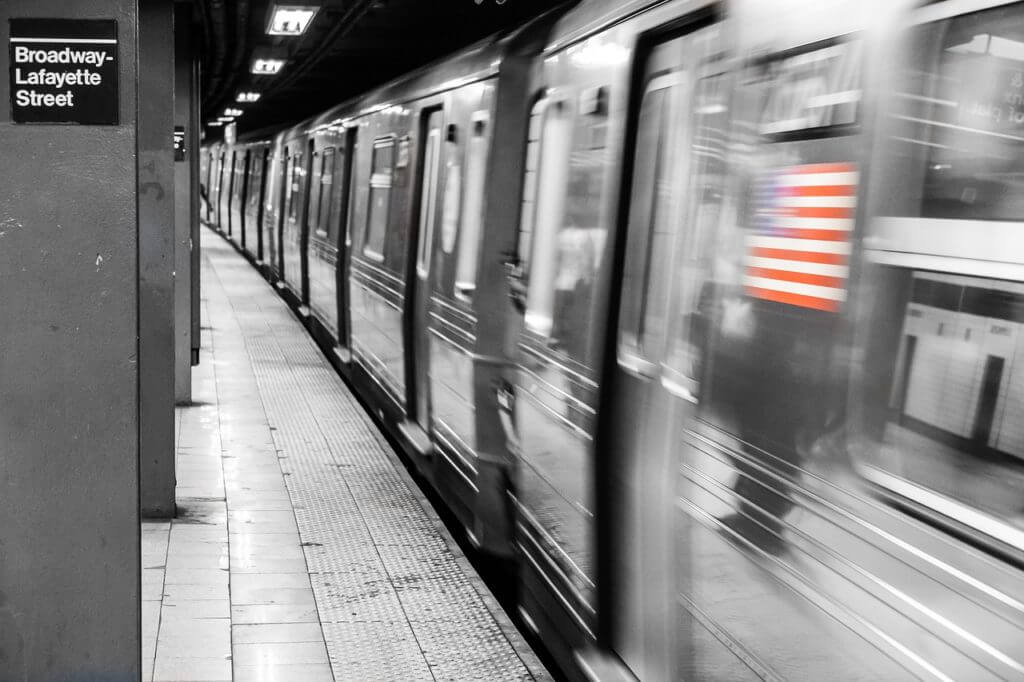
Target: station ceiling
{"points": [[348, 47]]}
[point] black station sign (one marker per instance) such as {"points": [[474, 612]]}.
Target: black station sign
{"points": [[64, 71]]}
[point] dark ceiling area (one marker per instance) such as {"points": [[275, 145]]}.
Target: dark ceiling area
{"points": [[349, 47]]}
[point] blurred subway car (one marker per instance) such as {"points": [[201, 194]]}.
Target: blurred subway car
{"points": [[709, 317]]}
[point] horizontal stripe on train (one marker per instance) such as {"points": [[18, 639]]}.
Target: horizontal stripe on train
{"points": [[790, 298], [825, 235], [798, 277], [827, 212], [845, 224], [828, 269], [801, 179], [798, 200], [827, 292], [807, 245], [805, 256]]}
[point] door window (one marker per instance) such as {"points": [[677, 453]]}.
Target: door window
{"points": [[428, 192], [650, 221], [472, 210], [313, 220], [294, 175], [380, 198], [255, 181], [547, 171], [323, 204]]}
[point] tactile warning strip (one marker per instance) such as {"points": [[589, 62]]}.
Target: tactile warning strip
{"points": [[396, 599]]}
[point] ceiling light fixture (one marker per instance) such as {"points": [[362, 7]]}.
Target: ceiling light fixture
{"points": [[290, 20], [247, 97], [215, 124], [231, 111], [266, 67], [225, 119]]}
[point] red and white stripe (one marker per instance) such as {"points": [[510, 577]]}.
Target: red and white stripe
{"points": [[799, 251]]}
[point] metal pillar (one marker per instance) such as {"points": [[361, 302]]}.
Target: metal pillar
{"points": [[69, 374]]}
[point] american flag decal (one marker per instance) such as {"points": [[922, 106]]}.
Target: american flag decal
{"points": [[798, 252]]}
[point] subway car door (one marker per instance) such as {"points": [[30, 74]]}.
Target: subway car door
{"points": [[655, 388], [418, 387]]}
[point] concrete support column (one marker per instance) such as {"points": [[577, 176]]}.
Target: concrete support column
{"points": [[69, 418], [156, 257], [185, 201]]}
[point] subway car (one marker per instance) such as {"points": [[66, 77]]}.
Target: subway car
{"points": [[704, 316]]}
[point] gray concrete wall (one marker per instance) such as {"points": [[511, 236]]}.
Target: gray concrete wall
{"points": [[156, 257], [183, 212], [69, 527]]}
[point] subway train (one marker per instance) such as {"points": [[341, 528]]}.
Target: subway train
{"points": [[704, 316]]}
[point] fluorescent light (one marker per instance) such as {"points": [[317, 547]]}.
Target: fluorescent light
{"points": [[267, 67], [231, 111], [247, 97], [215, 124], [225, 119], [290, 20]]}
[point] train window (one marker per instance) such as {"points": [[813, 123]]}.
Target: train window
{"points": [[472, 209], [313, 220], [428, 193], [813, 90], [295, 172], [961, 118], [272, 184], [220, 174], [323, 212], [380, 196], [544, 201], [688, 325], [942, 322], [255, 180], [650, 214]]}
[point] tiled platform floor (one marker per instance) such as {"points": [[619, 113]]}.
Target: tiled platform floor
{"points": [[302, 550]]}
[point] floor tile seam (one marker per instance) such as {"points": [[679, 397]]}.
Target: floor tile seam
{"points": [[260, 394], [215, 331], [295, 380], [160, 611]]}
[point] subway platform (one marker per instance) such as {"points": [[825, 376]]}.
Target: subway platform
{"points": [[302, 549]]}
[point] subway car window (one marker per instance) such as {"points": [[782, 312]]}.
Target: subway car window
{"points": [[568, 236], [428, 192], [548, 194], [964, 115], [255, 179], [531, 175], [649, 205], [451, 198], [581, 234], [289, 180], [316, 172], [324, 203], [472, 210], [693, 263], [944, 388], [380, 195], [294, 196]]}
